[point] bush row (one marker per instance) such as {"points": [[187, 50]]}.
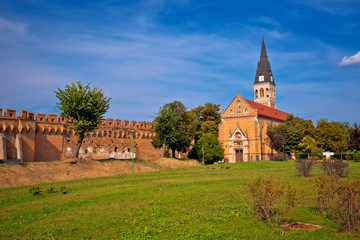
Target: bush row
{"points": [[336, 199], [344, 156]]}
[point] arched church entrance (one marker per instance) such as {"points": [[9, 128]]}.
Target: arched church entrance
{"points": [[239, 155], [239, 148]]}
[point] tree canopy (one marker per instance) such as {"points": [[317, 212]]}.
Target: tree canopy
{"points": [[355, 138], [297, 134], [208, 119], [208, 148], [174, 127], [84, 105], [289, 133], [331, 135]]}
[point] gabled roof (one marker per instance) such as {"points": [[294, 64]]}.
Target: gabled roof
{"points": [[268, 111]]}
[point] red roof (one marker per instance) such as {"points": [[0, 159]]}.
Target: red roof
{"points": [[268, 111]]}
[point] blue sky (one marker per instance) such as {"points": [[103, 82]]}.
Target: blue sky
{"points": [[147, 53]]}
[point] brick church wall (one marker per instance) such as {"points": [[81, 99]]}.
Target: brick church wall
{"points": [[239, 116]]}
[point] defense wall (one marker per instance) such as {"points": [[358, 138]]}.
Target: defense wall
{"points": [[32, 137]]}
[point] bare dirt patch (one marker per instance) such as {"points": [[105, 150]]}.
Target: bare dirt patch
{"points": [[301, 226], [12, 175]]}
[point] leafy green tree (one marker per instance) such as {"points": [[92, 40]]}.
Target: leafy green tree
{"points": [[83, 104], [209, 149], [346, 128], [355, 138], [330, 135], [209, 119], [174, 127], [276, 138], [307, 144], [295, 129], [289, 133]]}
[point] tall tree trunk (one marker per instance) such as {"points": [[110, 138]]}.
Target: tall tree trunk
{"points": [[163, 150], [77, 149]]}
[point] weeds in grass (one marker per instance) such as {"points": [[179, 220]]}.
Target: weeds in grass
{"points": [[304, 166], [279, 157], [324, 186], [63, 189], [35, 191], [271, 202], [339, 200], [333, 167], [51, 190]]}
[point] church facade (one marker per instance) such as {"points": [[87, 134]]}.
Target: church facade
{"points": [[244, 122]]}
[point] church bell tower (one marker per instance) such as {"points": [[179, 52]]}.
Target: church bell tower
{"points": [[264, 84]]}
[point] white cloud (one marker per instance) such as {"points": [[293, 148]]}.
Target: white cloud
{"points": [[337, 7], [19, 28], [350, 60]]}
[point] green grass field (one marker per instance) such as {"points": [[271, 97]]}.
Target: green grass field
{"points": [[207, 202]]}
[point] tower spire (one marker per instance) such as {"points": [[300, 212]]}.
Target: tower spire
{"points": [[263, 67], [264, 84], [263, 50]]}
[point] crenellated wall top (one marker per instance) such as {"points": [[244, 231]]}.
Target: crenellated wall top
{"points": [[10, 114]]}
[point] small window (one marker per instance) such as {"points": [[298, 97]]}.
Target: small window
{"points": [[116, 148]]}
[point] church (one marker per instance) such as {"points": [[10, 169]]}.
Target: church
{"points": [[242, 130]]}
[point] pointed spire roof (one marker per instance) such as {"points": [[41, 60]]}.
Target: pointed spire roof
{"points": [[263, 50], [263, 67]]}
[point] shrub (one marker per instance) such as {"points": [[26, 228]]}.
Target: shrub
{"points": [[271, 203], [279, 157], [339, 200], [357, 157], [335, 168], [317, 152], [63, 189], [301, 155], [304, 166], [337, 156], [348, 157], [324, 186], [36, 190], [51, 190]]}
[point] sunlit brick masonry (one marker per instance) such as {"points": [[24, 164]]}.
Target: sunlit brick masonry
{"points": [[42, 137]]}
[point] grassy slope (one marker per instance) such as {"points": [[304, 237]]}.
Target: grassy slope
{"points": [[208, 202]]}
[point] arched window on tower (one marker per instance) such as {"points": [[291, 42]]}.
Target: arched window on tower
{"points": [[231, 112], [261, 92], [256, 93]]}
